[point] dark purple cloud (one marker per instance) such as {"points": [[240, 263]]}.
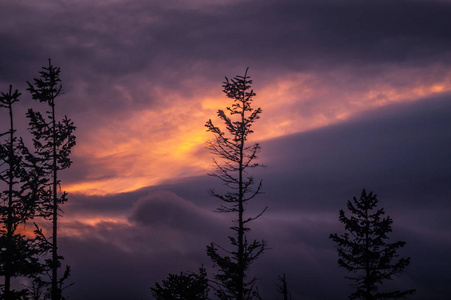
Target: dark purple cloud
{"points": [[167, 210], [364, 151], [99, 45]]}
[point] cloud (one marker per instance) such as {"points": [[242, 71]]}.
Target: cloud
{"points": [[362, 152], [107, 45], [309, 177], [163, 209], [123, 154], [141, 78], [143, 221], [134, 240]]}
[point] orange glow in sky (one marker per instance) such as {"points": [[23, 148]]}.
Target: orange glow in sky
{"points": [[153, 145]]}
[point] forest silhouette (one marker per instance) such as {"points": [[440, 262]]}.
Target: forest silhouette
{"points": [[31, 193]]}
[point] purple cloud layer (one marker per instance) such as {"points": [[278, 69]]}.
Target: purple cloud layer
{"points": [[400, 152]]}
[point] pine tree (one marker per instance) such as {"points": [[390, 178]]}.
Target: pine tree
{"points": [[235, 158], [53, 141], [21, 178], [191, 286], [364, 251], [283, 287]]}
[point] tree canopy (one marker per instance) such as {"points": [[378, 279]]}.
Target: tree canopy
{"points": [[365, 252]]}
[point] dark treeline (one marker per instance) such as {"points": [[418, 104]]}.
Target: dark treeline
{"points": [[30, 193]]}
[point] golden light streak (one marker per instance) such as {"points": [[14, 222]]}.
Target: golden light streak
{"points": [[299, 102], [140, 151], [153, 145]]}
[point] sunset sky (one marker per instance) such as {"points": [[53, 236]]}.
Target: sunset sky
{"points": [[355, 94]]}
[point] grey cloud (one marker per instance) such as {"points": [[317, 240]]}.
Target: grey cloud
{"points": [[166, 234], [99, 45], [163, 209], [402, 145]]}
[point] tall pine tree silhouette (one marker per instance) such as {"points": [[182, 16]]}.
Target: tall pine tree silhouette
{"points": [[53, 141], [21, 178], [235, 158]]}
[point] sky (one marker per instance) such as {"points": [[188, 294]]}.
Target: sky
{"points": [[355, 94]]}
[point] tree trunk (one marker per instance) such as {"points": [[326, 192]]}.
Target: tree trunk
{"points": [[9, 225], [55, 294]]}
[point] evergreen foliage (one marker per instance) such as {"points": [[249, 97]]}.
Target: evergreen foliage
{"points": [[283, 287], [364, 251], [191, 286], [53, 141], [20, 178], [235, 157]]}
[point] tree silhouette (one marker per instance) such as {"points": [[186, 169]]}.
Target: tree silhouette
{"points": [[191, 286], [21, 178], [53, 141], [283, 287], [235, 159], [364, 251]]}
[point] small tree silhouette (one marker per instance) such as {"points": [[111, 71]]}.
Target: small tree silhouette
{"points": [[53, 141], [363, 249], [236, 158], [191, 286], [283, 287]]}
